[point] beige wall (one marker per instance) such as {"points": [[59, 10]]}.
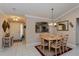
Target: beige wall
{"points": [[1, 31]]}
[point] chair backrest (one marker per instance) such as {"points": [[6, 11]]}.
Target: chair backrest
{"points": [[65, 39], [56, 43]]}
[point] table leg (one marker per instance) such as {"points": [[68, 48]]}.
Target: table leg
{"points": [[43, 44], [49, 46]]}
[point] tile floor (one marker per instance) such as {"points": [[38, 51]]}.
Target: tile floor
{"points": [[22, 50], [19, 50]]}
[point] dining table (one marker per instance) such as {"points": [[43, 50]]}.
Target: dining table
{"points": [[50, 38]]}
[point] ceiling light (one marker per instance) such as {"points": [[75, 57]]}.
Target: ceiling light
{"points": [[15, 19], [55, 24]]}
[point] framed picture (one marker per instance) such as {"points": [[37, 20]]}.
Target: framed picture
{"points": [[63, 25], [41, 27]]}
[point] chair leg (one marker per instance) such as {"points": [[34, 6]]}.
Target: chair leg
{"points": [[60, 50], [66, 48], [63, 48], [55, 51], [43, 45]]}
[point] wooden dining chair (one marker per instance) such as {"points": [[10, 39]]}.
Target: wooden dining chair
{"points": [[64, 43], [43, 42], [57, 45]]}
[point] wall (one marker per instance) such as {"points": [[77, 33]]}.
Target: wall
{"points": [[1, 31], [71, 16], [31, 36]]}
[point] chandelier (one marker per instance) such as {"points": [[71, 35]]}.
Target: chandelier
{"points": [[52, 20]]}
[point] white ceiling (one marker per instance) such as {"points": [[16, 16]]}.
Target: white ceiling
{"points": [[37, 9]]}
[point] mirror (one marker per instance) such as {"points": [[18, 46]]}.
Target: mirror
{"points": [[41, 27], [63, 25]]}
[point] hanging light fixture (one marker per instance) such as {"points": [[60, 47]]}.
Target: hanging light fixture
{"points": [[52, 23], [51, 17]]}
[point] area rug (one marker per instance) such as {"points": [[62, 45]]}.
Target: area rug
{"points": [[51, 53]]}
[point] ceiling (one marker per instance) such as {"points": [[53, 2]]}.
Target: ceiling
{"points": [[36, 9]]}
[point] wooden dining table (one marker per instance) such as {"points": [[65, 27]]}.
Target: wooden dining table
{"points": [[50, 38]]}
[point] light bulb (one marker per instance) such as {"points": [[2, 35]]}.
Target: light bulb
{"points": [[15, 19], [50, 24], [55, 24]]}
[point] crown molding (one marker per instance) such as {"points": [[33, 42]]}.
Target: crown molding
{"points": [[68, 12], [31, 16]]}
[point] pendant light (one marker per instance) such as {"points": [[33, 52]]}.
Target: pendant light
{"points": [[51, 17], [52, 23]]}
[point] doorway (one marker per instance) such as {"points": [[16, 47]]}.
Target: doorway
{"points": [[77, 32], [18, 29]]}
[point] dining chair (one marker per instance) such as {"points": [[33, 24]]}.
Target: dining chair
{"points": [[56, 44], [64, 43], [43, 42]]}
